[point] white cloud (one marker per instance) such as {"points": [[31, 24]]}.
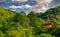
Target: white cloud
{"points": [[39, 8], [42, 5], [43, 1], [19, 0], [48, 1], [27, 6], [13, 6], [22, 6], [44, 8]]}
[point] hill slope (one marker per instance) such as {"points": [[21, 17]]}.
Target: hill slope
{"points": [[6, 13], [52, 13]]}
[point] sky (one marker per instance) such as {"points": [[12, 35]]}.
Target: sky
{"points": [[29, 5]]}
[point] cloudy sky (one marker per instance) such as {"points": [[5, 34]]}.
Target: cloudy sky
{"points": [[29, 5]]}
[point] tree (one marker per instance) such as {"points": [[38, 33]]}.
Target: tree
{"points": [[46, 35], [1, 34], [13, 33]]}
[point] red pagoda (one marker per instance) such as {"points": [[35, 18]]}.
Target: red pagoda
{"points": [[48, 25]]}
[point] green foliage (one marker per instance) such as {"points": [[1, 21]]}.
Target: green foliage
{"points": [[13, 24], [13, 34], [45, 35], [1, 34]]}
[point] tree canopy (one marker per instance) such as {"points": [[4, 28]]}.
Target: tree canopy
{"points": [[14, 24]]}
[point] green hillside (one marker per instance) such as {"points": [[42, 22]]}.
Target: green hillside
{"points": [[6, 13], [13, 24]]}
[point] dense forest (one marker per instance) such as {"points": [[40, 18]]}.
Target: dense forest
{"points": [[14, 24]]}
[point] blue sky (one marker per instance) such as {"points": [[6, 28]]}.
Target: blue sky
{"points": [[29, 5]]}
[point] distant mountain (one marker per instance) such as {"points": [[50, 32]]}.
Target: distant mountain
{"points": [[51, 13]]}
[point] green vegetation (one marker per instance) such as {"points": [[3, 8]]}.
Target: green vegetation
{"points": [[14, 24]]}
